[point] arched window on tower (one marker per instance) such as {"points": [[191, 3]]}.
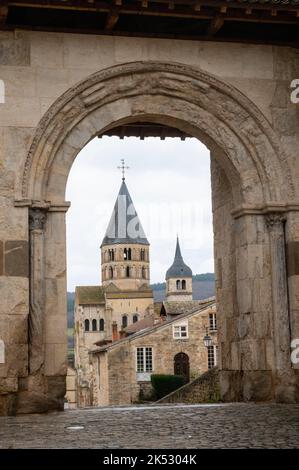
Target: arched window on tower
{"points": [[86, 325], [110, 272], [125, 254], [183, 284], [102, 324], [135, 318], [129, 254], [142, 254], [94, 325], [143, 272], [124, 321], [128, 271], [178, 284]]}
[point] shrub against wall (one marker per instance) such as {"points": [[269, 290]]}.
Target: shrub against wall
{"points": [[164, 384]]}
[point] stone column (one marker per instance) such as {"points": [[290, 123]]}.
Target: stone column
{"points": [[37, 220], [292, 244], [281, 320]]}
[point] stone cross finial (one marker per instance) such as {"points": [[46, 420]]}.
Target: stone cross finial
{"points": [[123, 168]]}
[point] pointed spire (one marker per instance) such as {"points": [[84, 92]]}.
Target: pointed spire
{"points": [[178, 254], [178, 267], [124, 226]]}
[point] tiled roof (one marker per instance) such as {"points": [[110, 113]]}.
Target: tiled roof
{"points": [[147, 322], [207, 303], [130, 294], [90, 295]]}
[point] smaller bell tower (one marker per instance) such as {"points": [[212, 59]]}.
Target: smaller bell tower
{"points": [[178, 278]]}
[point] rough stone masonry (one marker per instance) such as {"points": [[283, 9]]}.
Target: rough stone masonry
{"points": [[61, 90]]}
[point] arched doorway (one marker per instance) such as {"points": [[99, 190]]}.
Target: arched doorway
{"points": [[251, 185], [181, 365]]}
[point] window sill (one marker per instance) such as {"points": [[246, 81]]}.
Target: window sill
{"points": [[143, 376]]}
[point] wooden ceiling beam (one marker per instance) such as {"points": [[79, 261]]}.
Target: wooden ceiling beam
{"points": [[82, 5], [215, 25], [3, 14], [154, 8], [111, 20]]}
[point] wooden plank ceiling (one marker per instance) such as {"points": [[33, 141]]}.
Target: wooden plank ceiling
{"points": [[256, 21]]}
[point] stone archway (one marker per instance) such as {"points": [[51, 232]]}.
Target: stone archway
{"points": [[252, 195]]}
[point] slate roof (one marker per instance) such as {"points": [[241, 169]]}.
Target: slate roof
{"points": [[178, 267], [90, 295], [181, 307], [124, 226]]}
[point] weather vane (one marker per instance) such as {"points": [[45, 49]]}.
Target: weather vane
{"points": [[123, 168]]}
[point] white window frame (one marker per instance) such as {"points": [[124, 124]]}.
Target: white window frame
{"points": [[177, 330], [212, 322], [213, 348], [144, 360]]}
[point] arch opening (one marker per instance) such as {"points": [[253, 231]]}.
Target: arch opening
{"points": [[247, 166]]}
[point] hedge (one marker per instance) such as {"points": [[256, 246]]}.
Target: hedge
{"points": [[165, 384]]}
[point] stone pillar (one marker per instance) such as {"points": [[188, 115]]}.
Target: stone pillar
{"points": [[55, 337], [31, 396], [292, 244], [288, 378], [281, 320], [37, 220]]}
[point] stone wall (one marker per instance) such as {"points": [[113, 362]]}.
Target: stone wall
{"points": [[236, 99], [203, 389]]}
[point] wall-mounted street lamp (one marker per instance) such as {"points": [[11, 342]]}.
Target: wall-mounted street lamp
{"points": [[207, 339]]}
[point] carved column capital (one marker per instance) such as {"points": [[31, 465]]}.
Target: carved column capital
{"points": [[37, 219], [275, 220]]}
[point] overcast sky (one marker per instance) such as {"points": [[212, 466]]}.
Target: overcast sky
{"points": [[169, 182]]}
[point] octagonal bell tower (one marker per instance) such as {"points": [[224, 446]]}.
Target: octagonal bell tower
{"points": [[125, 248]]}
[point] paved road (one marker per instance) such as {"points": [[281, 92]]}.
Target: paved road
{"points": [[166, 426]]}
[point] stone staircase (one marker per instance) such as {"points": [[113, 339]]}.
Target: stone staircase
{"points": [[203, 389]]}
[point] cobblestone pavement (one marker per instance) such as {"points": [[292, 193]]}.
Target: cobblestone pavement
{"points": [[236, 425]]}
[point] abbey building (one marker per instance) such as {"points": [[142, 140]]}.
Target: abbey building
{"points": [[121, 335]]}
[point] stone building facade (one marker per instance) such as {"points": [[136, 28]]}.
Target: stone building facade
{"points": [[123, 307], [122, 369], [124, 297]]}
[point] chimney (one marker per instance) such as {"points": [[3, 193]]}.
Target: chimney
{"points": [[114, 331], [122, 334]]}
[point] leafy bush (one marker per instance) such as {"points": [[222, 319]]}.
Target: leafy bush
{"points": [[164, 384]]}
